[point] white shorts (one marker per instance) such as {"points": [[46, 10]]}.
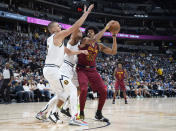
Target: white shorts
{"points": [[59, 83], [70, 72]]}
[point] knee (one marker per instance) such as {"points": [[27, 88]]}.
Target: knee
{"points": [[83, 87]]}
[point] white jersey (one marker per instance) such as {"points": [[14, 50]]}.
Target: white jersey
{"points": [[67, 67], [73, 58], [55, 54]]}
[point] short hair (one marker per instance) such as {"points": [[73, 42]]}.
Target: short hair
{"points": [[95, 29], [51, 24]]}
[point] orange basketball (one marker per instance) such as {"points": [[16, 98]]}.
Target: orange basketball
{"points": [[115, 27]]}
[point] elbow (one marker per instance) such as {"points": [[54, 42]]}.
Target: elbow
{"points": [[114, 53]]}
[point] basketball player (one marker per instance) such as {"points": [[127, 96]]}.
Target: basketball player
{"points": [[60, 84], [67, 67], [120, 74], [86, 68]]}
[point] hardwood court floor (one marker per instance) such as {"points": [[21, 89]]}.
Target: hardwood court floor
{"points": [[153, 114]]}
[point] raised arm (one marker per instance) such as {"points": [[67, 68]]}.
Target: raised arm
{"points": [[77, 24], [107, 50], [100, 34], [74, 36]]}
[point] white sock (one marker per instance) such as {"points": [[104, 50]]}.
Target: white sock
{"points": [[66, 104]]}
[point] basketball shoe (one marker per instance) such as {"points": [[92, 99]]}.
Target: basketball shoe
{"points": [[66, 112], [100, 117], [77, 122], [54, 117], [113, 101], [41, 116]]}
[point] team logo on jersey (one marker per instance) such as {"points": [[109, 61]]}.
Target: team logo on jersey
{"points": [[66, 82]]}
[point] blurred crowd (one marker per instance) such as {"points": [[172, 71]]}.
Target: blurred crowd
{"points": [[148, 75]]}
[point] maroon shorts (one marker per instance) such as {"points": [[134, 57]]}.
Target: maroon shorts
{"points": [[120, 85], [92, 77]]}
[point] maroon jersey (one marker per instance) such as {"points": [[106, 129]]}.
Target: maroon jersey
{"points": [[120, 74], [88, 60]]}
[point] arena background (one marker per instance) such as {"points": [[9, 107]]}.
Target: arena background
{"points": [[146, 44]]}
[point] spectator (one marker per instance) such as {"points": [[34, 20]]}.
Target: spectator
{"points": [[7, 81], [19, 91], [28, 94]]}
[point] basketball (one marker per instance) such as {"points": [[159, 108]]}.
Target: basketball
{"points": [[115, 27]]}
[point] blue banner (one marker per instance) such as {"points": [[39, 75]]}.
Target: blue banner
{"points": [[13, 16]]}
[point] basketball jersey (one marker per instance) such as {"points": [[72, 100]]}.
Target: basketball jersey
{"points": [[120, 74], [55, 54], [73, 58], [67, 67], [89, 60]]}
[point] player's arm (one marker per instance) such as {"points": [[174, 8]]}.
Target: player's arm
{"points": [[115, 73], [71, 52], [77, 24], [101, 33], [107, 50], [73, 37]]}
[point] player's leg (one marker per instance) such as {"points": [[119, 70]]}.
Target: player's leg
{"points": [[83, 84], [119, 94], [114, 96], [45, 112], [65, 108], [98, 85], [116, 91], [122, 86], [76, 83], [71, 91], [53, 77]]}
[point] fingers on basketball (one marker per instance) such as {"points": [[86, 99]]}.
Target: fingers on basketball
{"points": [[115, 27]]}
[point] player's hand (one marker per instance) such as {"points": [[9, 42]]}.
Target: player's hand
{"points": [[89, 9], [109, 24], [84, 52]]}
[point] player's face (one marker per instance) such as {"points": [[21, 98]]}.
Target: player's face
{"points": [[90, 33], [120, 66], [56, 27]]}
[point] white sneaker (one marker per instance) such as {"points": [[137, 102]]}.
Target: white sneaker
{"points": [[41, 116], [77, 122]]}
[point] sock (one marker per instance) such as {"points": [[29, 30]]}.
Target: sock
{"points": [[82, 113], [98, 112], [66, 104]]}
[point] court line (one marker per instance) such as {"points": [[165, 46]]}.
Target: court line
{"points": [[107, 124]]}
